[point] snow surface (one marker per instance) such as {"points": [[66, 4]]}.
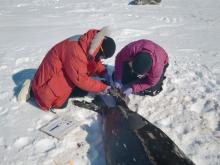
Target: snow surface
{"points": [[188, 109]]}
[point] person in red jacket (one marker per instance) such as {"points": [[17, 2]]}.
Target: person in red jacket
{"points": [[69, 67]]}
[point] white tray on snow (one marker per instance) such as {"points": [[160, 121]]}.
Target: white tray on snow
{"points": [[60, 126]]}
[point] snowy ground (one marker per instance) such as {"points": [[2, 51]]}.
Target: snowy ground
{"points": [[188, 109]]}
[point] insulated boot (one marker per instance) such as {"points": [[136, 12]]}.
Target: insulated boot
{"points": [[24, 94]]}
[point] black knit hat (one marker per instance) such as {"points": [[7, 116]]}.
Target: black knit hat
{"points": [[108, 46], [142, 63]]}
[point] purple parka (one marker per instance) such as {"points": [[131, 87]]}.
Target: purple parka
{"points": [[127, 54]]}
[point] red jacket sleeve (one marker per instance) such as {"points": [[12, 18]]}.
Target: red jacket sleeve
{"points": [[77, 73], [100, 69]]}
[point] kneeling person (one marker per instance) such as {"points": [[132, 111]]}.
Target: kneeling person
{"points": [[69, 67], [140, 68]]}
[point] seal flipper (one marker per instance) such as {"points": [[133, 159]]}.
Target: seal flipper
{"points": [[135, 121], [87, 105], [97, 105]]}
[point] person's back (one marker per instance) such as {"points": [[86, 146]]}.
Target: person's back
{"points": [[49, 81]]}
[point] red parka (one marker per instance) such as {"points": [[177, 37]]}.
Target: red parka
{"points": [[66, 66]]}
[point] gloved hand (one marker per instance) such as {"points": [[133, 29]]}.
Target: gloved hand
{"points": [[107, 78], [118, 84], [128, 91], [106, 91]]}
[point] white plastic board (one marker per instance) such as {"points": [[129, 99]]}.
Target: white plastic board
{"points": [[59, 126]]}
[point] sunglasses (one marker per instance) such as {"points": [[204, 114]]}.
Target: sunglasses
{"points": [[103, 53], [100, 54]]}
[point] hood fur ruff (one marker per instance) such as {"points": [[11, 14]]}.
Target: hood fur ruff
{"points": [[97, 40]]}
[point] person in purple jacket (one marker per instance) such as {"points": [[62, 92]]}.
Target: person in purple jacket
{"points": [[140, 68]]}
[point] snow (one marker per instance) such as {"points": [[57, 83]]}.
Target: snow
{"points": [[188, 109]]}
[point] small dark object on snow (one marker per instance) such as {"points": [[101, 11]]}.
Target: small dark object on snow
{"points": [[80, 144], [144, 2], [130, 139]]}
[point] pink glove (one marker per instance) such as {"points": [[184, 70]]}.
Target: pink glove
{"points": [[128, 91]]}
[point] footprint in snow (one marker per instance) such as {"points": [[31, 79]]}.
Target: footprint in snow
{"points": [[198, 105], [22, 5], [21, 142], [3, 111], [15, 107], [3, 67], [21, 60], [127, 33], [4, 95], [172, 20], [2, 142], [167, 22], [44, 145]]}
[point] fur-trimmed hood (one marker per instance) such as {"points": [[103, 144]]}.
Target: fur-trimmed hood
{"points": [[97, 40], [92, 40]]}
